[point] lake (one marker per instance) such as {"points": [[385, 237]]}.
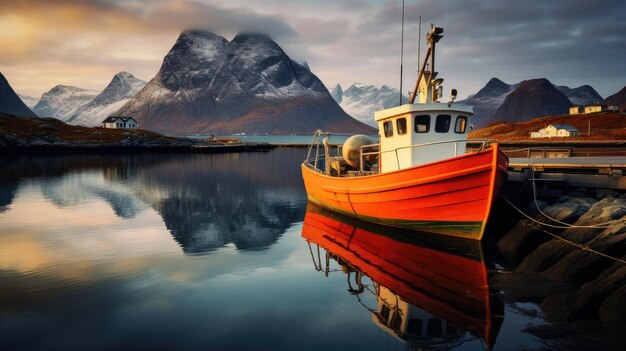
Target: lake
{"points": [[221, 252]]}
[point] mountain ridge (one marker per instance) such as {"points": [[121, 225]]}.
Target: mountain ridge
{"points": [[208, 84], [361, 101], [123, 87], [62, 101]]}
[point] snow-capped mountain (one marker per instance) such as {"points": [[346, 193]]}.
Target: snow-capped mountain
{"points": [[28, 100], [9, 101], [337, 93], [122, 87], [361, 101], [208, 84], [492, 97], [63, 101]]}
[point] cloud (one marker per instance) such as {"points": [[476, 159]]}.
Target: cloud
{"points": [[570, 42], [46, 43]]}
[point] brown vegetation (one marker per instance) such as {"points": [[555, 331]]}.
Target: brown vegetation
{"points": [[51, 128], [604, 126]]}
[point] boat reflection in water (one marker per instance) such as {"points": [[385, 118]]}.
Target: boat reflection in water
{"points": [[431, 291]]}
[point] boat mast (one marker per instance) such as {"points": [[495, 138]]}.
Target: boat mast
{"points": [[432, 37], [401, 52]]}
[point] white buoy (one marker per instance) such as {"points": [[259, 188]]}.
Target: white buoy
{"points": [[351, 149]]}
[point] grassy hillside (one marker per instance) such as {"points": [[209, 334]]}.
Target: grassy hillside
{"points": [[604, 126], [29, 132]]}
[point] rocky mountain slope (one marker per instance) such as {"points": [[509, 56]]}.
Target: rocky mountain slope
{"points": [[9, 101], [487, 100], [491, 97], [618, 99], [63, 101], [583, 95], [208, 84], [532, 98], [361, 101], [120, 90]]}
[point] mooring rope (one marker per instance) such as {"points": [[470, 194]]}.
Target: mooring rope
{"points": [[567, 225], [580, 246]]}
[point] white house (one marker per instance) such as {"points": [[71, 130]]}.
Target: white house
{"points": [[120, 123], [555, 130]]}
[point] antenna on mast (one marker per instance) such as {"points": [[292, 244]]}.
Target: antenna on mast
{"points": [[401, 52], [419, 46]]}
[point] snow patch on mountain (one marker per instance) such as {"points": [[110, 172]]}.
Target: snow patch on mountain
{"points": [[28, 100], [249, 84], [63, 101], [120, 90], [361, 101]]}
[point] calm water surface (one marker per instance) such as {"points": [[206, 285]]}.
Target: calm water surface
{"points": [[219, 252]]}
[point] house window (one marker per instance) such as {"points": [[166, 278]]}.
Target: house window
{"points": [[442, 125], [461, 124], [388, 128], [422, 124], [401, 126]]}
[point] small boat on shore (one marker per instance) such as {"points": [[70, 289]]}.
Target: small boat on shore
{"points": [[419, 175]]}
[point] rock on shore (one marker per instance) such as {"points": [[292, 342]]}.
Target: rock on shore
{"points": [[572, 284]]}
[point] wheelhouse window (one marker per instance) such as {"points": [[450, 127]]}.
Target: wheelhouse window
{"points": [[442, 125], [388, 128], [433, 328], [461, 125], [422, 124], [401, 126], [415, 326]]}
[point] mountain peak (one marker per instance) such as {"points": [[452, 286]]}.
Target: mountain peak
{"points": [[122, 87], [124, 75], [208, 84], [251, 36], [532, 98]]}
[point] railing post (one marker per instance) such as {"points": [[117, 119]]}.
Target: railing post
{"points": [[361, 159], [397, 158]]}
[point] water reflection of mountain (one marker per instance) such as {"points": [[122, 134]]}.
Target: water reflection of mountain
{"points": [[208, 201], [430, 293]]}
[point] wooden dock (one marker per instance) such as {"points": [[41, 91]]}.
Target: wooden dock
{"points": [[606, 172]]}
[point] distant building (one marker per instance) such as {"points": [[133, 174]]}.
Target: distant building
{"points": [[114, 122], [556, 131], [577, 110]]}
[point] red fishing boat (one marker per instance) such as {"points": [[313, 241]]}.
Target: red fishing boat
{"points": [[419, 176], [430, 290]]}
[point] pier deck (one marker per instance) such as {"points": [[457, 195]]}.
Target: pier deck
{"points": [[593, 172]]}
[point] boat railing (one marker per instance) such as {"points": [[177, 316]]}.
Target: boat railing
{"points": [[483, 143], [321, 153]]}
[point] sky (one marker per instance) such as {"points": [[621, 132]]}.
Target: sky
{"points": [[85, 43]]}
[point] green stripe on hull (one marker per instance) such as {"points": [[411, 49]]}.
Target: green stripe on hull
{"points": [[462, 229]]}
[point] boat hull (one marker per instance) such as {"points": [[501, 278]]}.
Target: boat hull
{"points": [[450, 197]]}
